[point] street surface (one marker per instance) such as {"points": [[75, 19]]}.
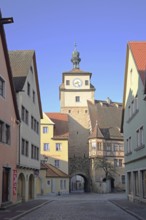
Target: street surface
{"points": [[80, 207]]}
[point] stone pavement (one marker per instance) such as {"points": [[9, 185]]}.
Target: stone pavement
{"points": [[138, 210], [16, 211]]}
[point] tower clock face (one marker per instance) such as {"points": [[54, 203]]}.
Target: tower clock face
{"points": [[77, 82]]}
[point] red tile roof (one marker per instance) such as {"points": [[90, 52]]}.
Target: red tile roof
{"points": [[138, 50], [61, 130]]}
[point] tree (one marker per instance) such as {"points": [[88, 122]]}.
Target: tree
{"points": [[107, 166]]}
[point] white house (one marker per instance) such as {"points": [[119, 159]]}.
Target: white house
{"points": [[25, 78]]}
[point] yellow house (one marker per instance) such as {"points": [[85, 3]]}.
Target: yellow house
{"points": [[53, 180], [54, 146]]}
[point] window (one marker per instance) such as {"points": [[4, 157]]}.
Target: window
{"points": [[99, 147], [45, 129], [34, 125], [7, 134], [136, 182], [116, 147], [64, 184], [129, 150], [86, 82], [67, 82], [120, 162], [117, 162], [69, 111], [77, 98], [140, 142], [58, 147], [24, 147], [132, 107], [1, 131], [2, 87], [123, 179], [93, 145], [144, 183], [129, 112], [28, 89], [61, 184], [129, 183], [33, 96], [24, 115], [46, 147], [136, 102], [57, 163], [34, 152]]}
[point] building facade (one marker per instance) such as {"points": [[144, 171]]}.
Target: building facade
{"points": [[25, 78], [54, 151], [106, 147], [9, 126], [134, 120]]}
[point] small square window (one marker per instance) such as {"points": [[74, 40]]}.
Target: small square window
{"points": [[58, 147], [67, 82], [46, 147], [45, 129], [86, 82], [77, 98]]}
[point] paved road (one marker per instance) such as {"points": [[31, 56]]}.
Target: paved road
{"points": [[80, 207]]}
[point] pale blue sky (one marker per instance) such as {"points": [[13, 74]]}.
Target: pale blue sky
{"points": [[101, 29]]}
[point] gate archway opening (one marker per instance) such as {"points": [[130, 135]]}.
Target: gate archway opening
{"points": [[78, 183]]}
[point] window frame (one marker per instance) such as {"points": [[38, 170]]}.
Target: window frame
{"points": [[2, 87], [77, 98]]}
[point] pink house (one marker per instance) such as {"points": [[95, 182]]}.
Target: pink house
{"points": [[9, 124]]}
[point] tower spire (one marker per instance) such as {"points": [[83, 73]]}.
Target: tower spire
{"points": [[75, 57]]}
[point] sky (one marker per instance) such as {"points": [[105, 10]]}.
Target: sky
{"points": [[100, 28]]}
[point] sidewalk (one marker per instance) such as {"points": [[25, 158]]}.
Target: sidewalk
{"points": [[16, 211], [138, 210]]}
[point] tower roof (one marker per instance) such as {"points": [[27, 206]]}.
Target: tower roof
{"points": [[75, 58]]}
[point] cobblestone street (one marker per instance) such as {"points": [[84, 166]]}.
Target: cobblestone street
{"points": [[80, 207]]}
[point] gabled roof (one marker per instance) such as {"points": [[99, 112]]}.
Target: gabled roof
{"points": [[138, 50], [52, 171], [105, 120], [21, 61], [5, 50], [61, 129]]}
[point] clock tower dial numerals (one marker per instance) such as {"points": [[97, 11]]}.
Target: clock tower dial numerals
{"points": [[77, 82]]}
